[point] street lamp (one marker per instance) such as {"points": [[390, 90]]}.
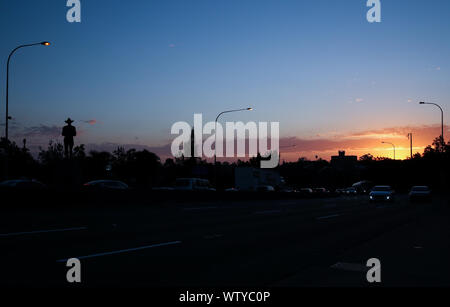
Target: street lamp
{"points": [[215, 137], [7, 81], [393, 146], [45, 43], [442, 117]]}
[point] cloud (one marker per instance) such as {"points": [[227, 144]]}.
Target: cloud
{"points": [[39, 131], [172, 46], [90, 121], [359, 100]]}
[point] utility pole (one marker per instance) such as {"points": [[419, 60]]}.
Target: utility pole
{"points": [[410, 137]]}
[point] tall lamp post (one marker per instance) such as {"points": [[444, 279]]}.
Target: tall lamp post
{"points": [[7, 117], [442, 117], [410, 138], [393, 146], [215, 138]]}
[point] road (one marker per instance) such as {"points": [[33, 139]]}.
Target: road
{"points": [[264, 243]]}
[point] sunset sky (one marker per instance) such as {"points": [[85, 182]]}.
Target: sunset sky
{"points": [[131, 69]]}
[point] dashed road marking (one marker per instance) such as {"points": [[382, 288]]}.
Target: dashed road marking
{"points": [[41, 231], [122, 251], [267, 212], [328, 216], [199, 208], [213, 236], [354, 267]]}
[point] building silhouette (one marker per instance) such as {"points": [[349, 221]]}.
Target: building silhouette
{"points": [[343, 162]]}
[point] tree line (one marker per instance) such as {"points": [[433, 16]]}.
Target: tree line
{"points": [[142, 168]]}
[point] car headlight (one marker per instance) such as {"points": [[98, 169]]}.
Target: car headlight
{"points": [[371, 197], [388, 197]]}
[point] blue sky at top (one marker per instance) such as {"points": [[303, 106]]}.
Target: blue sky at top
{"points": [[137, 67]]}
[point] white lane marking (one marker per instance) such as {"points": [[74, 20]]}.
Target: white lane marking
{"points": [[267, 212], [213, 236], [122, 251], [329, 200], [40, 231], [199, 208], [354, 267], [328, 216], [291, 203]]}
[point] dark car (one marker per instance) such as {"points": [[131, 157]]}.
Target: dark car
{"points": [[106, 185], [265, 188], [420, 193], [321, 191], [381, 193], [306, 192], [26, 184], [350, 191]]}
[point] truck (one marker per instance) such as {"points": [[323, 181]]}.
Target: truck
{"points": [[250, 178]]}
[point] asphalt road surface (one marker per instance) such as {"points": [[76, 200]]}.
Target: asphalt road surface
{"points": [[290, 242]]}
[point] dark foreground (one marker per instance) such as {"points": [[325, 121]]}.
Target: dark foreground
{"points": [[227, 242]]}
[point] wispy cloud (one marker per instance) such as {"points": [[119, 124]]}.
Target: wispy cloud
{"points": [[90, 121], [39, 131]]}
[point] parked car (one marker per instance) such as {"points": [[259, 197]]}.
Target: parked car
{"points": [[27, 184], [306, 191], [420, 193], [106, 185], [381, 193], [339, 191], [350, 191], [320, 191], [363, 187], [265, 188], [288, 190], [193, 184]]}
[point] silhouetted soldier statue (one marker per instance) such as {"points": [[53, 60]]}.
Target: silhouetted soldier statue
{"points": [[68, 133]]}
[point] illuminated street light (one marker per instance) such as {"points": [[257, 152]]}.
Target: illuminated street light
{"points": [[393, 146], [45, 43]]}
